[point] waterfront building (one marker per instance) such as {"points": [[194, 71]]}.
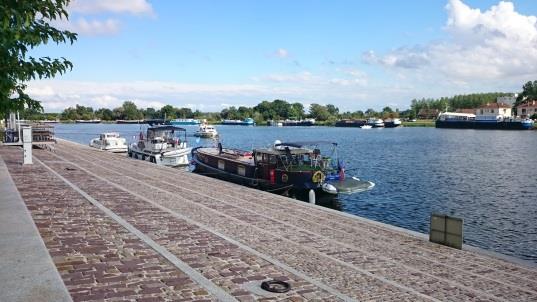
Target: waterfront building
{"points": [[496, 110], [527, 109]]}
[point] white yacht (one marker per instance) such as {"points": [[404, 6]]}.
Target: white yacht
{"points": [[162, 145], [206, 131], [110, 141], [375, 122]]}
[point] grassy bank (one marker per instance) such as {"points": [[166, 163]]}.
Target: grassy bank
{"points": [[419, 123]]}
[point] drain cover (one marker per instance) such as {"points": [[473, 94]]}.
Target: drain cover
{"points": [[276, 286]]}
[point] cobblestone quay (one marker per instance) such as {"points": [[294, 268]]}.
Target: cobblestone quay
{"points": [[122, 229]]}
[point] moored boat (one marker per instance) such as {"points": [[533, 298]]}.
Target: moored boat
{"points": [[471, 121], [206, 131], [392, 123], [162, 145], [350, 123], [184, 121], [110, 141], [94, 121], [375, 122], [306, 122], [287, 168], [129, 121], [246, 122]]}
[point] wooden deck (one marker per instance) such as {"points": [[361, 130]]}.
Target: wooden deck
{"points": [[121, 229]]}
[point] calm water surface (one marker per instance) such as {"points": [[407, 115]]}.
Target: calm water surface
{"points": [[486, 177]]}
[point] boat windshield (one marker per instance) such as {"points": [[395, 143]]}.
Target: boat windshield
{"points": [[166, 134]]}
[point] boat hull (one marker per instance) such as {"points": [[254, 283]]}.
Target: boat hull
{"points": [[391, 124], [351, 123], [514, 125], [111, 149], [175, 158], [240, 172]]}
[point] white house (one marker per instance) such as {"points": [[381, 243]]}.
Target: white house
{"points": [[527, 109], [502, 109]]}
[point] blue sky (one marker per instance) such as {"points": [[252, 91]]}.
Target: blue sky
{"points": [[208, 55]]}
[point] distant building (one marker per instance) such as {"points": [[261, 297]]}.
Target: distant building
{"points": [[493, 109], [510, 100], [427, 114], [464, 110], [527, 109]]}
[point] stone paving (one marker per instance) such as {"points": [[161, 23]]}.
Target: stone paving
{"points": [[234, 237]]}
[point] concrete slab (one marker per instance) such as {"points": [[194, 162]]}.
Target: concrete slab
{"points": [[27, 272]]}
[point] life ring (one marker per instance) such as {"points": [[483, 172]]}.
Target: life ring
{"points": [[276, 286], [317, 177]]}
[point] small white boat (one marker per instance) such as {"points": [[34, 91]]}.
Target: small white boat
{"points": [[206, 131], [366, 127], [110, 141], [375, 122], [162, 145]]}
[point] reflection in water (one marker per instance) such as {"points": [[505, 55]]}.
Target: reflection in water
{"points": [[486, 177]]}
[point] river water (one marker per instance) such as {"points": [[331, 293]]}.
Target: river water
{"points": [[486, 177]]}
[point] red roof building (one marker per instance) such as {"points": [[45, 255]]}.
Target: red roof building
{"points": [[527, 109]]}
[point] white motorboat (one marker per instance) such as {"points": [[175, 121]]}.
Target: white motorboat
{"points": [[162, 145], [206, 131], [366, 127], [110, 141], [375, 122]]}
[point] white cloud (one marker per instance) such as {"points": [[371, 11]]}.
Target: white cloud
{"points": [[487, 48], [57, 95], [102, 25], [92, 27], [111, 6], [301, 77], [281, 53]]}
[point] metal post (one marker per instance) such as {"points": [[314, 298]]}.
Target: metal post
{"points": [[19, 126], [311, 196], [27, 145]]}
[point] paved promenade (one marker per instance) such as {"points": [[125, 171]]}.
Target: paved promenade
{"points": [[122, 229]]}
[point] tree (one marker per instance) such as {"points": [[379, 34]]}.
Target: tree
{"points": [[25, 25], [104, 114], [333, 110], [370, 112], [319, 112], [529, 92], [168, 112], [128, 111], [297, 111]]}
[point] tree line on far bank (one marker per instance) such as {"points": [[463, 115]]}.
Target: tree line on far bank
{"points": [[278, 110]]}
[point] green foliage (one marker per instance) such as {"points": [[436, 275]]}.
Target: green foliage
{"points": [[529, 92], [104, 114], [467, 101], [129, 111], [319, 112], [25, 25], [77, 113]]}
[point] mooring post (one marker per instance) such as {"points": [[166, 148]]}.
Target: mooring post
{"points": [[311, 196], [27, 145]]}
